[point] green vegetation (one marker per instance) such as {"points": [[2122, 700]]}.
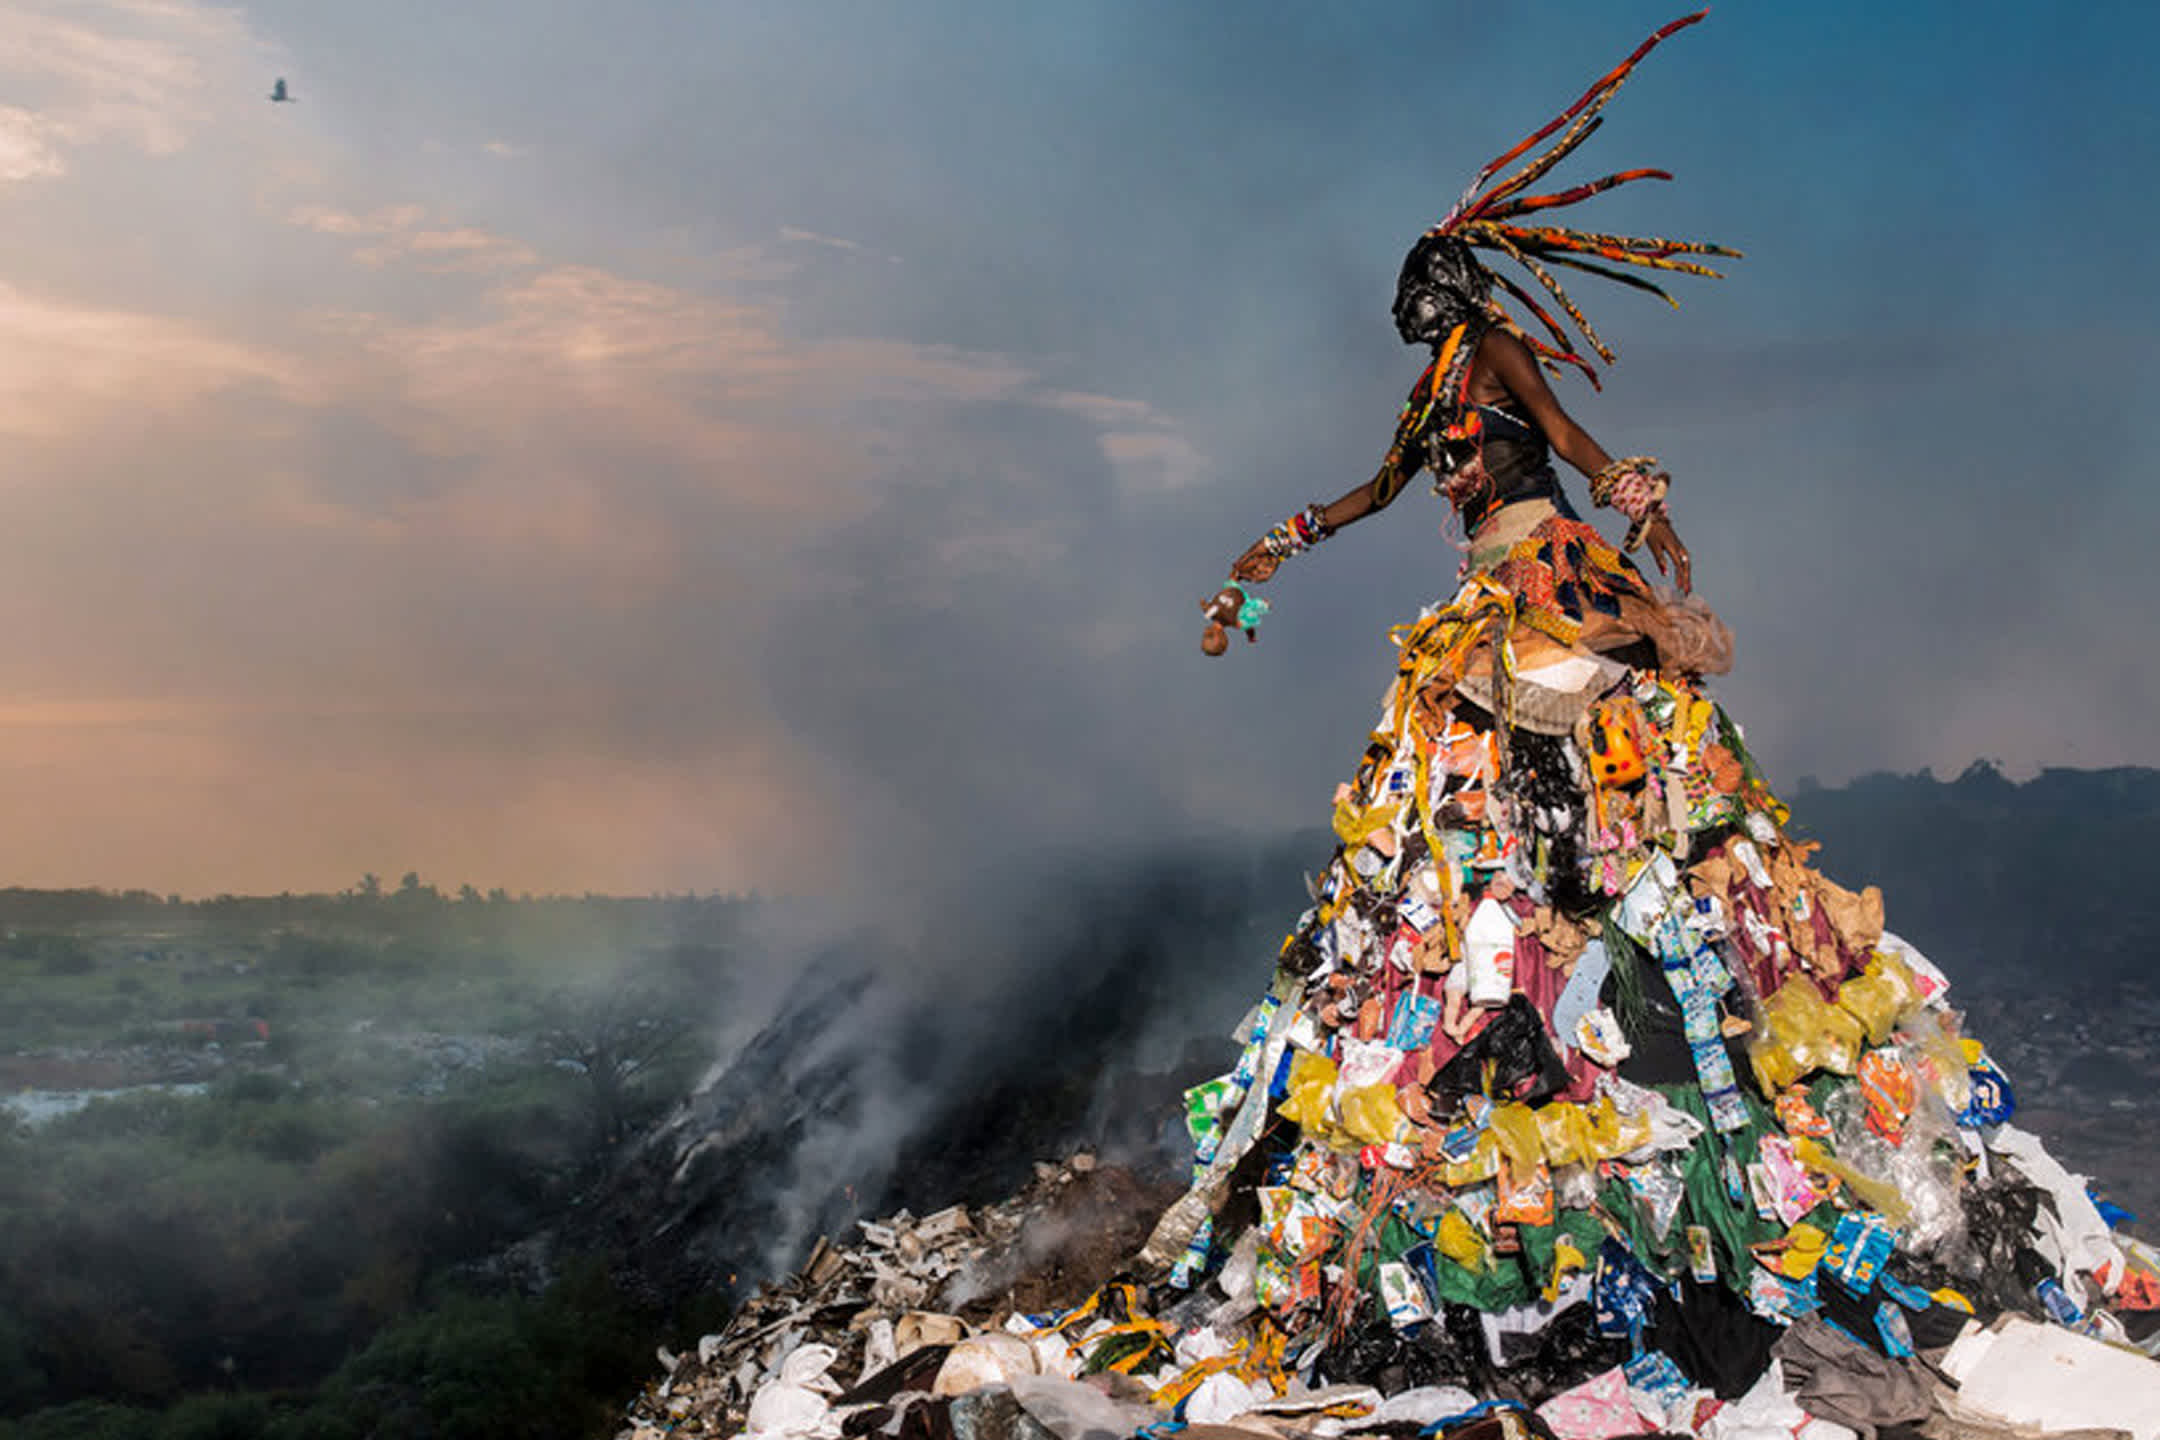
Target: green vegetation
{"points": [[324, 1117]]}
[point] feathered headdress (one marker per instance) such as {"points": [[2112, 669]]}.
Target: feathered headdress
{"points": [[1490, 217]]}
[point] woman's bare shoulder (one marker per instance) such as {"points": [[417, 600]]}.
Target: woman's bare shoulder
{"points": [[1501, 358]]}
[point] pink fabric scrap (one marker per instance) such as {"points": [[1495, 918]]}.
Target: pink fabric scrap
{"points": [[1597, 1409]]}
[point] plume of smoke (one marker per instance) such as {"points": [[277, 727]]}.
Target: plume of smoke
{"points": [[872, 1073]]}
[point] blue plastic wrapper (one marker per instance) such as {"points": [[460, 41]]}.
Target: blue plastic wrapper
{"points": [[1415, 1017], [1860, 1246], [1896, 1334], [1655, 1374], [2112, 1214], [1991, 1102], [1912, 1297], [1781, 1300], [1624, 1293], [2059, 1305], [1198, 1257]]}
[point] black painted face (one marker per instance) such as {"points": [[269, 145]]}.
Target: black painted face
{"points": [[1441, 286]]}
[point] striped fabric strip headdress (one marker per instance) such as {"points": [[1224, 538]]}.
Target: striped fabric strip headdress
{"points": [[1495, 217]]}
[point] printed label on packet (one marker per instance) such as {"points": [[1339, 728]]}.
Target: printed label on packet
{"points": [[1702, 1263], [1418, 914], [1707, 918], [1416, 1017], [1403, 1294], [1658, 1380]]}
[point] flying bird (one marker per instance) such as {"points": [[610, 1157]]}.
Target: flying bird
{"points": [[278, 94]]}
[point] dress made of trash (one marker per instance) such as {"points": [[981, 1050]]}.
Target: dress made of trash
{"points": [[1758, 1108], [1573, 1019], [1581, 1104]]}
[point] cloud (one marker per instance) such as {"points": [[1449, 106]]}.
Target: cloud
{"points": [[470, 561], [144, 73], [397, 233], [568, 363], [64, 367], [29, 146], [795, 235], [811, 237], [388, 220], [1148, 448]]}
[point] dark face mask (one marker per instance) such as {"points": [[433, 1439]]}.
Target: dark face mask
{"points": [[1441, 286], [1424, 315]]}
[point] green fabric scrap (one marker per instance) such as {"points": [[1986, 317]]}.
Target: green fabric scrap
{"points": [[1733, 1227], [1502, 1284]]}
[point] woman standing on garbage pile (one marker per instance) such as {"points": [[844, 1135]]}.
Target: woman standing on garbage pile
{"points": [[1569, 999], [1485, 422]]}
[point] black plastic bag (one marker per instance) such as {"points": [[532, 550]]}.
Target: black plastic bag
{"points": [[1447, 1350], [1524, 1064], [1562, 1355]]}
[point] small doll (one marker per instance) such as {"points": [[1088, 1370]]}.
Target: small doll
{"points": [[1227, 609]]}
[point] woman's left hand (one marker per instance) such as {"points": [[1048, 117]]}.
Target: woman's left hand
{"points": [[1671, 556], [1256, 566]]}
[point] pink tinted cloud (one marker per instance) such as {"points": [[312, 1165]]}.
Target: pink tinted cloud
{"points": [[250, 661], [398, 233], [144, 73], [468, 566], [67, 366]]}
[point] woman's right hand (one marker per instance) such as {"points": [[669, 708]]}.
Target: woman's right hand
{"points": [[1672, 557], [1255, 566]]}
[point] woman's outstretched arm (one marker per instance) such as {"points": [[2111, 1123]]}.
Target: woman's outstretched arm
{"points": [[1374, 495]]}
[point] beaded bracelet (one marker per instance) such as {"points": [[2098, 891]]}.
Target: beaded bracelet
{"points": [[1636, 488], [1297, 534]]}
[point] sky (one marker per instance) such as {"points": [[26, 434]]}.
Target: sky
{"points": [[660, 446]]}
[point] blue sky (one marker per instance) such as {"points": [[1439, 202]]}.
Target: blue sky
{"points": [[663, 445]]}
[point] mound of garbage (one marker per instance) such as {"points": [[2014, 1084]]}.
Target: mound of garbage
{"points": [[1027, 1320], [1580, 1106]]}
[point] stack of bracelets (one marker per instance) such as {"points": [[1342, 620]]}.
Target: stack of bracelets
{"points": [[1636, 488], [1297, 534]]}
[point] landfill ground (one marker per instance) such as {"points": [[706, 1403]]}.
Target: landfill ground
{"points": [[954, 1326]]}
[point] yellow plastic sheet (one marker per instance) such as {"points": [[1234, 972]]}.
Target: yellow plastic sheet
{"points": [[1312, 1079], [1880, 996], [1460, 1241], [1566, 1261], [1564, 1132], [1516, 1128], [1802, 1033], [1614, 1133], [1804, 1247], [1939, 1058], [1354, 826], [1483, 1164], [1370, 1113], [1878, 1195]]}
